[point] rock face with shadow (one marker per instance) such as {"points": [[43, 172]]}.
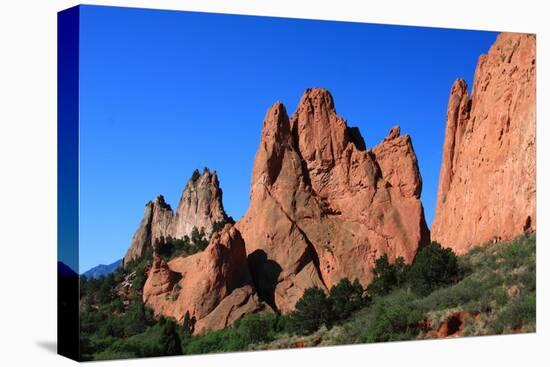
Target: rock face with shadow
{"points": [[213, 286], [487, 186], [200, 206], [265, 275], [322, 206]]}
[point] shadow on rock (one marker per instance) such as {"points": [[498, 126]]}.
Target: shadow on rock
{"points": [[265, 275]]}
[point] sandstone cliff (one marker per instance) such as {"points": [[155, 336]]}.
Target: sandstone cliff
{"points": [[200, 206], [487, 181], [322, 206]]}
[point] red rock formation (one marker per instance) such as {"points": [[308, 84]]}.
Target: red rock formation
{"points": [[487, 182], [454, 324], [322, 207], [282, 259], [200, 206], [160, 279], [214, 285]]}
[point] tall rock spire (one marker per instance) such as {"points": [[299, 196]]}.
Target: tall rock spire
{"points": [[200, 206], [322, 207], [487, 182], [154, 224]]}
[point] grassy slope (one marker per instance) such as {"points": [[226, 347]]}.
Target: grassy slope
{"points": [[498, 291]]}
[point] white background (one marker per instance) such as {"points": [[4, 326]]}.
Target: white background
{"points": [[28, 182]]}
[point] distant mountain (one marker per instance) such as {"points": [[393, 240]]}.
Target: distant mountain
{"points": [[102, 270], [64, 269]]}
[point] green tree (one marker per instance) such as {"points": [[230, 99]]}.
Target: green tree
{"points": [[433, 267], [255, 328], [104, 294], [165, 248], [218, 226], [139, 280], [345, 298], [395, 318], [386, 276], [135, 319], [187, 327], [116, 305], [312, 310], [197, 237], [170, 339], [86, 347]]}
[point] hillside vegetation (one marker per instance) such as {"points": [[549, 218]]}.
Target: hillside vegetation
{"points": [[490, 290], [496, 294]]}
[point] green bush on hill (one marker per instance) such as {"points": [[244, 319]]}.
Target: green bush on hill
{"points": [[394, 318], [433, 268], [315, 308], [312, 310], [251, 329], [386, 276], [168, 248], [519, 312], [498, 286], [345, 298]]}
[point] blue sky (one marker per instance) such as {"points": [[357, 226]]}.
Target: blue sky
{"points": [[163, 93]]}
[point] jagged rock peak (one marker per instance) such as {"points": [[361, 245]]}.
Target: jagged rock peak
{"points": [[320, 134], [316, 98], [276, 126], [205, 178], [161, 202], [459, 87], [398, 164], [394, 133], [276, 138], [487, 187], [322, 207], [141, 240], [200, 206]]}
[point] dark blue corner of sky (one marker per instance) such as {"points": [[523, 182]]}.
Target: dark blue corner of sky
{"points": [[165, 92]]}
